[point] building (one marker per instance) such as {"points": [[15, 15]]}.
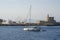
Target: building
{"points": [[49, 21]]}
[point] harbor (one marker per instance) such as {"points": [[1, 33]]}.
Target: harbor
{"points": [[29, 19], [50, 21]]}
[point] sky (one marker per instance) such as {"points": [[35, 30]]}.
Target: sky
{"points": [[19, 9]]}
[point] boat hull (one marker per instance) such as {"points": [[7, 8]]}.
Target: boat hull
{"points": [[31, 29]]}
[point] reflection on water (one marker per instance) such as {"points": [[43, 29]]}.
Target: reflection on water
{"points": [[17, 33]]}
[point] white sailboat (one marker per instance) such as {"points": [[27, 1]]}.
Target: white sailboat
{"points": [[31, 28]]}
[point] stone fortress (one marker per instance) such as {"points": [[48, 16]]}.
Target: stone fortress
{"points": [[50, 21]]}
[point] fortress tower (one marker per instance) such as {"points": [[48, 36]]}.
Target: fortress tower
{"points": [[50, 19]]}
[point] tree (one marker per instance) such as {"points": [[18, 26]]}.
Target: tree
{"points": [[1, 20]]}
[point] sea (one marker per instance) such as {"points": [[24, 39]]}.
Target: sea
{"points": [[17, 33]]}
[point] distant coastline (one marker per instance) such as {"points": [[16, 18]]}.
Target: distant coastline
{"points": [[27, 25], [50, 21]]}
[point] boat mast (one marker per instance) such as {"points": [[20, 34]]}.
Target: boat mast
{"points": [[30, 15]]}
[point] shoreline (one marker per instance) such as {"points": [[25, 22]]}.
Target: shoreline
{"points": [[26, 25]]}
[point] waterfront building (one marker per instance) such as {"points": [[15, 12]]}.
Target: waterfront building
{"points": [[11, 22], [49, 21], [5, 22]]}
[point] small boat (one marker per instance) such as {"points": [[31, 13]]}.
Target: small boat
{"points": [[32, 29]]}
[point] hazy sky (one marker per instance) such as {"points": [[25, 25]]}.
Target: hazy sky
{"points": [[18, 9]]}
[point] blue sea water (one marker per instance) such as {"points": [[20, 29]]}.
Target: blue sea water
{"points": [[17, 33]]}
